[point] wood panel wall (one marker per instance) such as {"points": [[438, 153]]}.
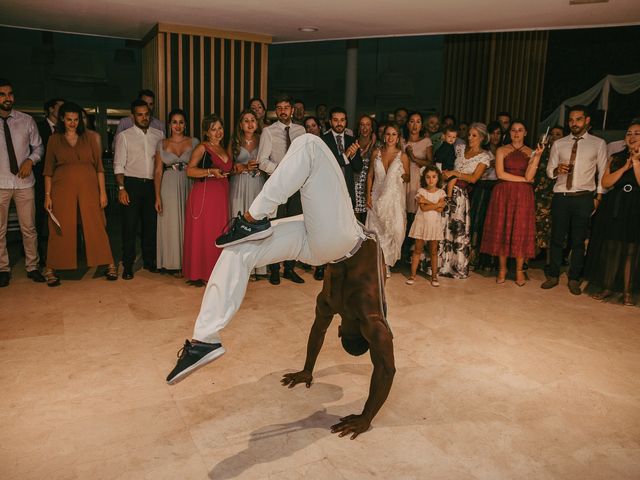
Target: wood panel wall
{"points": [[489, 72], [204, 71]]}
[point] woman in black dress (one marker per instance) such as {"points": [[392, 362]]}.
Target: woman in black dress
{"points": [[614, 251]]}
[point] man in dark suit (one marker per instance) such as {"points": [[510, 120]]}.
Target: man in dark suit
{"points": [[46, 128], [346, 150], [344, 147]]}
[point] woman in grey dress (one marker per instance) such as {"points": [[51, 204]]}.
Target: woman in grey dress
{"points": [[247, 182], [172, 188]]}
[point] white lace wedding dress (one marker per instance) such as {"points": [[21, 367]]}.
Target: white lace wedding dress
{"points": [[387, 217]]}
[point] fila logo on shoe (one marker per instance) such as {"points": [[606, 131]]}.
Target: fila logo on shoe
{"points": [[244, 227]]}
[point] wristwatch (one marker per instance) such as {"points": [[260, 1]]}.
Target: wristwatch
{"points": [[120, 187]]}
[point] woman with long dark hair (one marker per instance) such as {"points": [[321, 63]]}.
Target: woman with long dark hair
{"points": [[510, 226], [172, 188], [257, 106], [613, 259], [74, 182]]}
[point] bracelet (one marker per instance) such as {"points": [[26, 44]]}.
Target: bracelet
{"points": [[47, 193]]}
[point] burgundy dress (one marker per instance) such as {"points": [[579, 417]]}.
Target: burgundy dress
{"points": [[510, 225], [206, 216]]}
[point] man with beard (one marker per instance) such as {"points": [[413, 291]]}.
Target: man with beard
{"points": [[576, 163], [133, 164], [275, 140], [20, 149], [298, 112], [149, 98], [344, 147]]}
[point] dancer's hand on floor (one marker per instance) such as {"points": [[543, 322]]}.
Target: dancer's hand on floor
{"points": [[354, 424], [292, 379]]}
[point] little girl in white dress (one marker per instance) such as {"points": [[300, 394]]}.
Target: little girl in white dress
{"points": [[428, 225]]}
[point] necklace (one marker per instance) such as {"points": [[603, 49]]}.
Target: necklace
{"points": [[249, 142]]}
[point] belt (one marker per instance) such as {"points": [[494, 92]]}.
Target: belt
{"points": [[141, 180], [367, 235], [175, 166], [574, 194]]}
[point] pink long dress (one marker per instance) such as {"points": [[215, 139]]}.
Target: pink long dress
{"points": [[206, 216]]}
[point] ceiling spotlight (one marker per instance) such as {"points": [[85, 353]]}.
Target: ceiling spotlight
{"points": [[308, 29]]}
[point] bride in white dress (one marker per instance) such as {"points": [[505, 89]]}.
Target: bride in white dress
{"points": [[386, 195]]}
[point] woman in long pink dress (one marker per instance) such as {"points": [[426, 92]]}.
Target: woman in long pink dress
{"points": [[208, 203]]}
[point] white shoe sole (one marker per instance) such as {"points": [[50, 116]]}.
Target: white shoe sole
{"points": [[256, 236], [208, 358]]}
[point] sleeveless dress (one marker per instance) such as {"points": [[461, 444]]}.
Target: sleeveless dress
{"points": [[174, 191], [615, 237], [206, 216], [510, 224], [388, 217], [428, 225], [244, 188]]}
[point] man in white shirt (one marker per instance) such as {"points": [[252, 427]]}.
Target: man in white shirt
{"points": [[274, 143], [149, 98], [133, 164], [20, 149], [577, 163]]}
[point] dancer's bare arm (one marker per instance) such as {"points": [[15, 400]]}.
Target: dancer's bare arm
{"points": [[381, 351], [324, 316]]}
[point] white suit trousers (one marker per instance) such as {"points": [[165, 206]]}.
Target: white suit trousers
{"points": [[327, 230]]}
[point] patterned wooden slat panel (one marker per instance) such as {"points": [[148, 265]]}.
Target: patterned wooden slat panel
{"points": [[204, 73]]}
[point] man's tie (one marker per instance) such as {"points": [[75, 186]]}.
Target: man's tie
{"points": [[572, 162], [287, 137], [13, 161], [340, 144]]}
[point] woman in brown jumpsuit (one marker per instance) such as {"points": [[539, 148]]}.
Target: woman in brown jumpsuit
{"points": [[74, 182]]}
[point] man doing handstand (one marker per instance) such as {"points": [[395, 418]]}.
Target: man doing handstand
{"points": [[328, 232]]}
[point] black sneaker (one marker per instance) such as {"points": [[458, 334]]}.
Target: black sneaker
{"points": [[241, 230], [192, 356]]}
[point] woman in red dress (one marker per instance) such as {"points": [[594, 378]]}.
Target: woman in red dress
{"points": [[510, 225], [208, 203]]}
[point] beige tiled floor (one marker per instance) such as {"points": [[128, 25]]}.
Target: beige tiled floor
{"points": [[493, 382]]}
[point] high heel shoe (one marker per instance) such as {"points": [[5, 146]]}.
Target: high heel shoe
{"points": [[51, 277], [520, 274], [628, 300], [111, 273], [602, 294], [502, 276], [388, 271]]}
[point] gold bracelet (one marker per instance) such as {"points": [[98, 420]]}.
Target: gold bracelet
{"points": [[47, 193]]}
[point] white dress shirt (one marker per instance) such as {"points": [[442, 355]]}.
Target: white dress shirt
{"points": [[591, 156], [52, 125], [26, 143], [135, 151], [273, 144]]}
